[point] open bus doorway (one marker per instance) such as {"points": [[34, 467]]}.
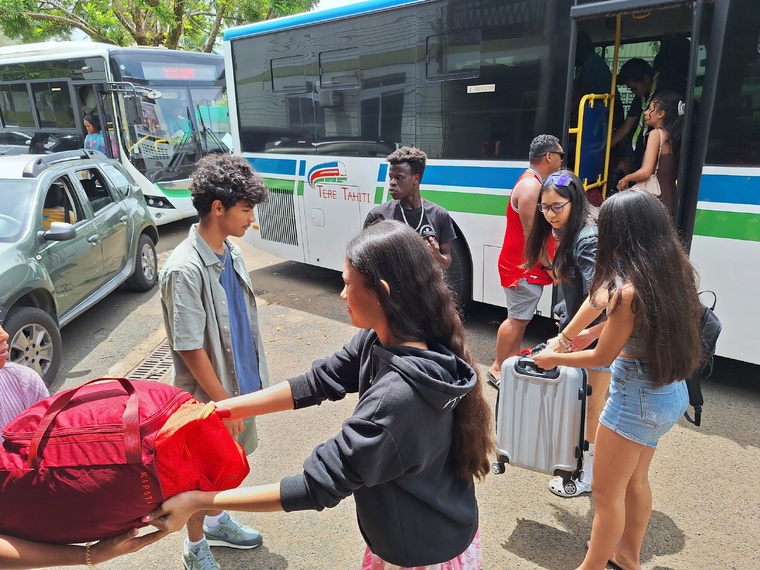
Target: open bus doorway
{"points": [[671, 41]]}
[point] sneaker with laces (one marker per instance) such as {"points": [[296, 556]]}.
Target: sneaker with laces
{"points": [[199, 557], [232, 534]]}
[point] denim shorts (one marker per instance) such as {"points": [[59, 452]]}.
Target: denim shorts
{"points": [[523, 299], [636, 409]]}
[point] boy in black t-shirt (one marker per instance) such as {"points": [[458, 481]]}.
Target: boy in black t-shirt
{"points": [[432, 222]]}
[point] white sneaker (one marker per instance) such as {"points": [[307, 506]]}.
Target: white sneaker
{"points": [[569, 488]]}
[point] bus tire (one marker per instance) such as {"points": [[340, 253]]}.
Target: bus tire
{"points": [[459, 273]]}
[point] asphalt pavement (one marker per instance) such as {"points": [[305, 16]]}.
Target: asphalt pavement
{"points": [[705, 480]]}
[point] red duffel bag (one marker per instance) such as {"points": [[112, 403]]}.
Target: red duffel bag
{"points": [[88, 463]]}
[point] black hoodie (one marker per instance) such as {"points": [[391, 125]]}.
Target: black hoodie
{"points": [[395, 453]]}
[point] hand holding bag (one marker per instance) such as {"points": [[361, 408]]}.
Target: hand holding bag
{"points": [[652, 184]]}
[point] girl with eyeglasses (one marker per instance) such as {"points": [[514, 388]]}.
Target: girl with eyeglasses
{"points": [[565, 213], [648, 287]]}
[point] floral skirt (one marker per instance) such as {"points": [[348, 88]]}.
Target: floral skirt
{"points": [[470, 559]]}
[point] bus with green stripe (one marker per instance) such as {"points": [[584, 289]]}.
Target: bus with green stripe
{"points": [[159, 110], [329, 94]]}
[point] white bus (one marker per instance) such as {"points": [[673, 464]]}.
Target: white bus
{"points": [[329, 94], [160, 110]]}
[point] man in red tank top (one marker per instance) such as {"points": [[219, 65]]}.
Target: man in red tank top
{"points": [[523, 287]]}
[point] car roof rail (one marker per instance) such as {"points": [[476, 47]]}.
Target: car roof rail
{"points": [[42, 163]]}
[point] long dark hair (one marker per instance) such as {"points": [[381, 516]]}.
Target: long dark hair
{"points": [[582, 213], [672, 121], [638, 246], [421, 307]]}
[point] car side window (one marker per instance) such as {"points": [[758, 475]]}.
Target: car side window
{"points": [[118, 178], [95, 188], [61, 204]]}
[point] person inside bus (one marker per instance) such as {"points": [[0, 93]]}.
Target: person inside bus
{"points": [[523, 287], [407, 165], [665, 119], [94, 139], [639, 77], [644, 82]]}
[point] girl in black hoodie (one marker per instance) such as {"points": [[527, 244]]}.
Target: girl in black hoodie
{"points": [[420, 433]]}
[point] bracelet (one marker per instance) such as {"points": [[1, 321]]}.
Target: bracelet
{"points": [[567, 338], [563, 343], [87, 558]]}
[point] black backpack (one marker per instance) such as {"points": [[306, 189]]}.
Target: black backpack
{"points": [[709, 332]]}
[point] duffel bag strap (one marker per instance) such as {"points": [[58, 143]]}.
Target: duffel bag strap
{"points": [[130, 421]]}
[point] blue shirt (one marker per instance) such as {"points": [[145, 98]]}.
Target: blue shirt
{"points": [[243, 345]]}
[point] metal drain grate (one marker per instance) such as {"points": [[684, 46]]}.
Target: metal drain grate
{"points": [[156, 365]]}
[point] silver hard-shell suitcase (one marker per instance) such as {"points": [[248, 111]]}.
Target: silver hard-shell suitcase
{"points": [[541, 417]]}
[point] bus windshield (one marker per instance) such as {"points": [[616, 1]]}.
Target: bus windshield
{"points": [[180, 125]]}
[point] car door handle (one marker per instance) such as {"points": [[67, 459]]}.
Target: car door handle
{"points": [[93, 239]]}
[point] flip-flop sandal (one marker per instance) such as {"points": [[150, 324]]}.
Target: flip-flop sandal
{"points": [[569, 488], [492, 380], [609, 562]]}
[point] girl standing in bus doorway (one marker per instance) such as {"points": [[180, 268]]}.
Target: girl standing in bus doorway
{"points": [[647, 285], [94, 139], [421, 425], [664, 117], [565, 214]]}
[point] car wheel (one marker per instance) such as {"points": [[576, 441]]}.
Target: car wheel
{"points": [[146, 266], [34, 341]]}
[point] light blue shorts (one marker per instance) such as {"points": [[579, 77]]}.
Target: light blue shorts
{"points": [[638, 411]]}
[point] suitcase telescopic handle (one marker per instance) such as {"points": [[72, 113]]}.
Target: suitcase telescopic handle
{"points": [[130, 421]]}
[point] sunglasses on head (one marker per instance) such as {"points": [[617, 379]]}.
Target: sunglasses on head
{"points": [[559, 179]]}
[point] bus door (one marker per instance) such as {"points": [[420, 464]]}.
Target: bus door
{"points": [[670, 37]]}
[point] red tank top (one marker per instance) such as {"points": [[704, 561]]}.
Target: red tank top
{"points": [[512, 254]]}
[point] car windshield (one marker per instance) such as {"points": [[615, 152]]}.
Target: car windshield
{"points": [[15, 207]]}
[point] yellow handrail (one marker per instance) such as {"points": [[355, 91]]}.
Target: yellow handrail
{"points": [[608, 99]]}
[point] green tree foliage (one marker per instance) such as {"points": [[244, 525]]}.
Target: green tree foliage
{"points": [[184, 24]]}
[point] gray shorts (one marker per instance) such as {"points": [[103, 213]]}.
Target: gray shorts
{"points": [[523, 300]]}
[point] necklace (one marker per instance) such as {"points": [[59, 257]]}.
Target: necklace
{"points": [[537, 175], [422, 215]]}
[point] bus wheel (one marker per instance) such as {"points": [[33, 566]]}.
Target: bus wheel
{"points": [[459, 273]]}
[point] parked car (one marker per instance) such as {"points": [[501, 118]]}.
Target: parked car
{"points": [[16, 142], [73, 227]]}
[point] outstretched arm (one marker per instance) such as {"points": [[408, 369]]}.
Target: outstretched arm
{"points": [[273, 399], [174, 513], [20, 553]]}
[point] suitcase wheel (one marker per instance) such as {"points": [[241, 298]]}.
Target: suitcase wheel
{"points": [[570, 487], [497, 468]]}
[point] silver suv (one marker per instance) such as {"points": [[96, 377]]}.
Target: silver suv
{"points": [[73, 227]]}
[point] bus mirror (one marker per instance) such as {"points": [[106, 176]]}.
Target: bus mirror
{"points": [[133, 109]]}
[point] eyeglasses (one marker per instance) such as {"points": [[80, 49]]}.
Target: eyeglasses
{"points": [[560, 153], [559, 179], [556, 208]]}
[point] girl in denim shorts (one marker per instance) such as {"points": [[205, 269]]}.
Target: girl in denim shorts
{"points": [[646, 283]]}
